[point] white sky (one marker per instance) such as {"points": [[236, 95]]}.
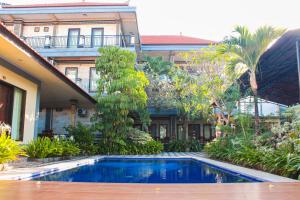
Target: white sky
{"points": [[208, 19]]}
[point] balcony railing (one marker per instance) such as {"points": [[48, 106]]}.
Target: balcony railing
{"points": [[82, 41]]}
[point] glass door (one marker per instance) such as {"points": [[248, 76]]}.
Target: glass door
{"points": [[16, 128], [73, 37], [6, 99], [97, 37]]}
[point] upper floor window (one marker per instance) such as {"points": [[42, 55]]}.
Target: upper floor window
{"points": [[73, 37], [36, 29], [93, 79], [97, 37], [72, 73]]}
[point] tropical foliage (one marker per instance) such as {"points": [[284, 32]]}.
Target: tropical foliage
{"points": [[84, 137], [247, 48], [192, 145], [9, 149], [45, 147], [277, 151], [121, 95]]}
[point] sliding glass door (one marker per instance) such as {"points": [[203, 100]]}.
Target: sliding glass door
{"points": [[12, 107], [6, 99]]}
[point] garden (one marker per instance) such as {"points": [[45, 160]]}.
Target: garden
{"points": [[206, 87]]}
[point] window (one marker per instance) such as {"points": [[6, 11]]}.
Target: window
{"points": [[163, 129], [73, 37], [194, 131], [12, 107], [93, 79], [72, 73], [180, 132], [153, 131], [97, 37], [46, 29], [36, 29]]}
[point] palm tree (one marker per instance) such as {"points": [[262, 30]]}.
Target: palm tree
{"points": [[247, 49]]}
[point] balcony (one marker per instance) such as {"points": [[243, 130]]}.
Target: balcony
{"points": [[83, 45]]}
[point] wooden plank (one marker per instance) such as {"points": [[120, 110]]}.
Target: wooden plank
{"points": [[31, 190]]}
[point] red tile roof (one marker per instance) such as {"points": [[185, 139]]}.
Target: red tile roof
{"points": [[77, 4], [173, 40]]}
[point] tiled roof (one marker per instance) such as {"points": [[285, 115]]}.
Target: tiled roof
{"points": [[77, 4], [173, 40]]}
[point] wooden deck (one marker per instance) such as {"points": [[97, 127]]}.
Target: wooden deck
{"points": [[30, 190]]}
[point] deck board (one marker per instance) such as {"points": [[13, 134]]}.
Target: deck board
{"points": [[34, 190]]}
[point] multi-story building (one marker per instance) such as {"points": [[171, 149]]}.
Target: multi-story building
{"points": [[69, 35]]}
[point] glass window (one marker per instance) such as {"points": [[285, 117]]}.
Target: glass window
{"points": [[163, 128], [93, 79], [17, 115], [194, 131], [72, 73], [73, 37], [97, 37], [152, 130], [180, 132], [207, 129]]}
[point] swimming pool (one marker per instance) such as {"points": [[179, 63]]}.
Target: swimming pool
{"points": [[152, 170]]}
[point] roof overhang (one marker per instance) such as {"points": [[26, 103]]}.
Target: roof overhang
{"points": [[126, 15], [183, 47], [277, 75], [56, 90]]}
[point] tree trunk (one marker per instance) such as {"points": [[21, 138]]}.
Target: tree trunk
{"points": [[253, 84]]}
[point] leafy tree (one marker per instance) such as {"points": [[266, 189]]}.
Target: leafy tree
{"points": [[160, 90], [188, 96], [120, 93], [216, 81], [248, 48], [173, 87]]}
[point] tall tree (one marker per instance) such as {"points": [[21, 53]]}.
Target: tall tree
{"points": [[160, 89], [216, 81], [248, 48], [120, 92]]}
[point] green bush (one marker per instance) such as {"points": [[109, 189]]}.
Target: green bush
{"points": [[9, 149], [177, 146], [137, 136], [141, 143], [282, 159], [45, 148], [153, 147], [195, 146], [84, 137], [184, 146]]}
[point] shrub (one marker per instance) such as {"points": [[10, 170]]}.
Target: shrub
{"points": [[176, 146], [283, 160], [135, 143], [184, 146], [195, 146], [112, 144], [45, 148], [9, 149], [84, 137], [153, 147], [137, 136]]}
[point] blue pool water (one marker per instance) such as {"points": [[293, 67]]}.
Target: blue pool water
{"points": [[120, 170]]}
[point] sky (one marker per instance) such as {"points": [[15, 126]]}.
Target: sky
{"points": [[207, 19]]}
